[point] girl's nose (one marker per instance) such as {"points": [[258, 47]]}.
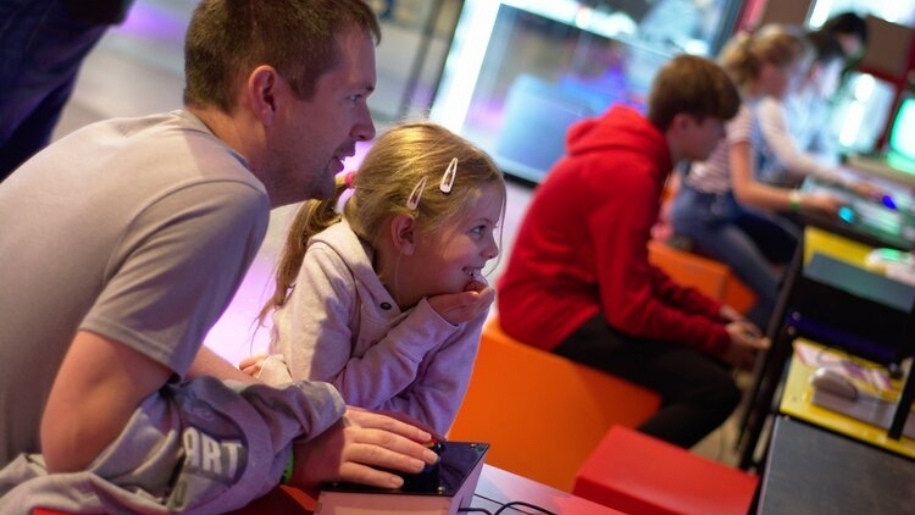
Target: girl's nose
{"points": [[491, 251]]}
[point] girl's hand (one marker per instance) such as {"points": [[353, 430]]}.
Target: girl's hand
{"points": [[462, 307], [867, 190], [253, 365], [824, 203]]}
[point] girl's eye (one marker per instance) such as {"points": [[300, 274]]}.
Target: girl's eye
{"points": [[478, 230]]}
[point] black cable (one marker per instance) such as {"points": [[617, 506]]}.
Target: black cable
{"points": [[474, 510], [526, 505]]}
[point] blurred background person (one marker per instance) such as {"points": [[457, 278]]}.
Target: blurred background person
{"points": [[42, 46]]}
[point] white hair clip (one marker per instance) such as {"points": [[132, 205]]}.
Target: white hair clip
{"points": [[416, 194], [448, 178]]}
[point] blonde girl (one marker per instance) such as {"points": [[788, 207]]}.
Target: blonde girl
{"points": [[386, 301], [720, 206]]}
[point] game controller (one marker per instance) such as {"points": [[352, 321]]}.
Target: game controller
{"points": [[427, 480], [446, 487], [847, 214]]}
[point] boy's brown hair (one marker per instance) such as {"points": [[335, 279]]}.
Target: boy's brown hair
{"points": [[693, 85]]}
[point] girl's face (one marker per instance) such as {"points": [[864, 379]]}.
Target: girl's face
{"points": [[777, 80], [826, 78], [450, 259]]}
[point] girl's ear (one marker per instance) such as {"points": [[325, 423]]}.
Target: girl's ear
{"points": [[403, 233]]}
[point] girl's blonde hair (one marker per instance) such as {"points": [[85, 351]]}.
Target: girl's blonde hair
{"points": [[743, 56], [392, 169]]}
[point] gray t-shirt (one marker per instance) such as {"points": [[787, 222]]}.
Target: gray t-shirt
{"points": [[137, 229]]}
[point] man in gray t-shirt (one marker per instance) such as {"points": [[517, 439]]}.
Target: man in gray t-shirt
{"points": [[123, 243]]}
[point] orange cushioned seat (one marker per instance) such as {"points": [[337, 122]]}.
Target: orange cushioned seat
{"points": [[636, 473], [710, 277], [543, 414]]}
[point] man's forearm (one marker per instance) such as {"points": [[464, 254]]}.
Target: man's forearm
{"points": [[208, 363]]}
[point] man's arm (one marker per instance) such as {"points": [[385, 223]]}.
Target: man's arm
{"points": [[208, 363], [99, 385]]}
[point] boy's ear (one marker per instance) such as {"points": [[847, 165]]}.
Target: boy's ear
{"points": [[682, 121], [403, 233]]}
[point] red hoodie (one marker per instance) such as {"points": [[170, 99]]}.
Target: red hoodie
{"points": [[582, 248]]}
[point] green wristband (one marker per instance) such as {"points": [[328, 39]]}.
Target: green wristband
{"points": [[794, 200], [287, 472]]}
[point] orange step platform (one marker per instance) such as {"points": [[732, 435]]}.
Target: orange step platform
{"points": [[543, 414]]}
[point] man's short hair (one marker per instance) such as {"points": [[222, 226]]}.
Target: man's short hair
{"points": [[693, 85], [227, 39]]}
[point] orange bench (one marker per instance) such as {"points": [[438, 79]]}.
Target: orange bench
{"points": [[636, 473], [710, 277], [543, 414]]}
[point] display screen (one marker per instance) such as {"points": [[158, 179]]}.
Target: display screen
{"points": [[902, 133], [521, 72]]}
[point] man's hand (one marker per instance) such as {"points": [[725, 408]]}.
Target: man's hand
{"points": [[358, 447]]}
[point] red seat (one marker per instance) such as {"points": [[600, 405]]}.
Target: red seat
{"points": [[636, 473], [282, 499]]}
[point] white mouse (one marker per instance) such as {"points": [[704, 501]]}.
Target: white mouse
{"points": [[832, 381]]}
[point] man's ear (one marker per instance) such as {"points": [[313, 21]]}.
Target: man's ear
{"points": [[262, 90], [403, 233]]}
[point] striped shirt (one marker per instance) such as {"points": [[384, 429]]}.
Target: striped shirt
{"points": [[714, 174]]}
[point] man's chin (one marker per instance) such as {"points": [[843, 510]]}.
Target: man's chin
{"points": [[327, 188]]}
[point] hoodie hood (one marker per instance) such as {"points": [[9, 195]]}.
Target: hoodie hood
{"points": [[621, 129]]}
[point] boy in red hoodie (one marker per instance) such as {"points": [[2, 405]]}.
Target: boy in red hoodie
{"points": [[578, 282]]}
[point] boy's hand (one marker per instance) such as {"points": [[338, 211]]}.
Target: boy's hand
{"points": [[730, 314], [746, 342]]}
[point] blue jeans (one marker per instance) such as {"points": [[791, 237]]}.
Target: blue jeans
{"points": [[748, 241], [42, 46]]}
